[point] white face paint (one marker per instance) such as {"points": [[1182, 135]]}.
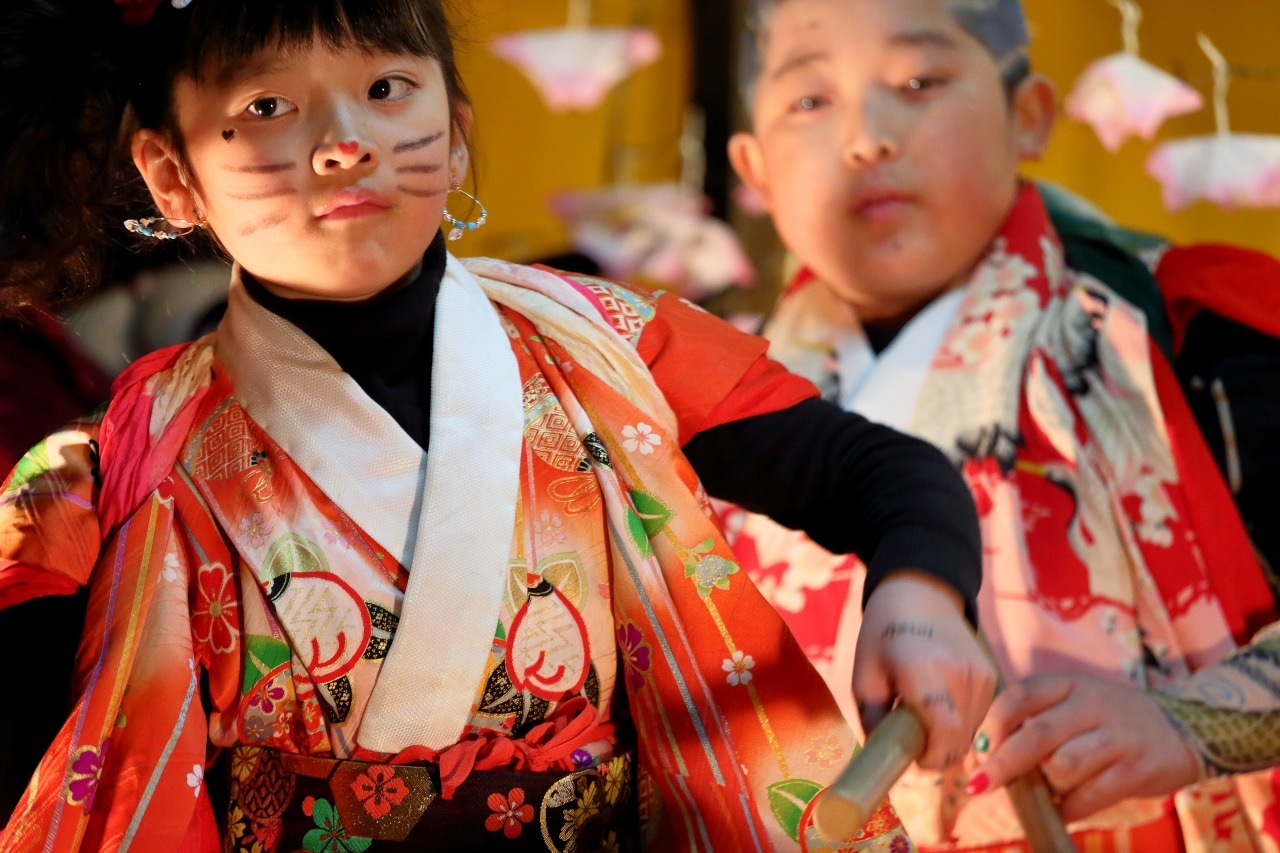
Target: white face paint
{"points": [[323, 173]]}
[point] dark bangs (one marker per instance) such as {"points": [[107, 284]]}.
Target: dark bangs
{"points": [[210, 36]]}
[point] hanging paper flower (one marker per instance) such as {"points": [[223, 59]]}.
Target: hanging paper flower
{"points": [[1122, 96], [576, 67], [140, 11], [1228, 169], [1231, 170], [658, 232]]}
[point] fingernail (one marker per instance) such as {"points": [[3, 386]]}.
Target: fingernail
{"points": [[982, 743], [977, 785]]}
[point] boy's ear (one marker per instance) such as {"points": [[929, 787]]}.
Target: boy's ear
{"points": [[1035, 109], [158, 162], [748, 161]]}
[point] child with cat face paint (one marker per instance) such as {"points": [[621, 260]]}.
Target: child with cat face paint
{"points": [[414, 550]]}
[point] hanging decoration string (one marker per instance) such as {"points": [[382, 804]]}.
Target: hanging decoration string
{"points": [[579, 14], [693, 152], [1131, 14], [1221, 82]]}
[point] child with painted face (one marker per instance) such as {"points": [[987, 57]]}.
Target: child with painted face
{"points": [[936, 297], [414, 551]]}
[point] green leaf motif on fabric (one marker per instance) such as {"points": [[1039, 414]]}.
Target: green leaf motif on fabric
{"points": [[330, 836], [710, 571], [30, 466], [638, 534], [262, 654], [653, 513], [788, 799], [704, 547]]}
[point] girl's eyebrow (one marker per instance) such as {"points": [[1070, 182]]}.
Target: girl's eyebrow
{"points": [[230, 75], [417, 143], [268, 169]]}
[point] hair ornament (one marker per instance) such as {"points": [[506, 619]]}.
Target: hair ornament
{"points": [[138, 12]]}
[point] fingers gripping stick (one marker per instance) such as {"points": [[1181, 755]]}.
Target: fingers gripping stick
{"points": [[845, 807]]}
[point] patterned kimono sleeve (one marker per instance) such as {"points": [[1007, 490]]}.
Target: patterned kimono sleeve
{"points": [[49, 529], [1229, 713], [710, 372]]}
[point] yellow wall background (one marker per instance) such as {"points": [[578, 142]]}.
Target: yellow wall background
{"points": [[1069, 34], [525, 152]]}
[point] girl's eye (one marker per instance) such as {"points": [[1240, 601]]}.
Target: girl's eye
{"points": [[390, 89], [270, 107]]}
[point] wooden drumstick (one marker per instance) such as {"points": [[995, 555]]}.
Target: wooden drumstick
{"points": [[892, 746], [848, 804], [1038, 813]]}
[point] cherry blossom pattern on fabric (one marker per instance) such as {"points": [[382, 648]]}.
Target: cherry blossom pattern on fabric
{"points": [[510, 813]]}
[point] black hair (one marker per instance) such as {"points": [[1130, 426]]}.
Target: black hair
{"points": [[75, 81], [1014, 68]]}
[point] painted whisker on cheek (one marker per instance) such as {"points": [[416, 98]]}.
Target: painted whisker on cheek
{"points": [[267, 169], [262, 224], [417, 143], [419, 193], [263, 195], [423, 169]]}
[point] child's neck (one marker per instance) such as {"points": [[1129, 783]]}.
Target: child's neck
{"points": [[284, 291], [896, 315]]}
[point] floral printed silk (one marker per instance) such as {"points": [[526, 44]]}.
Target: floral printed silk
{"points": [[235, 603], [1111, 545]]}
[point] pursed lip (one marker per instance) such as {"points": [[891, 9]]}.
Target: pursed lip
{"points": [[876, 200], [353, 198]]}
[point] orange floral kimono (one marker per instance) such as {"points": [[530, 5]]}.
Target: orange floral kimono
{"points": [[1111, 546], [277, 572]]}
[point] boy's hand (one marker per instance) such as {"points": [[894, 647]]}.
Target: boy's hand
{"points": [[915, 644], [1097, 742]]}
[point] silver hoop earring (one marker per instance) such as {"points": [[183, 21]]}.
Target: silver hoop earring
{"points": [[162, 228], [459, 226]]}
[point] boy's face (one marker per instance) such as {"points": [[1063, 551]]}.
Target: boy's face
{"points": [[885, 146]]}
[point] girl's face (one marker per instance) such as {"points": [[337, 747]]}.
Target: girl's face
{"points": [[324, 174]]}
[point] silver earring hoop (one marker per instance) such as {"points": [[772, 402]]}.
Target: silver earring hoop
{"points": [[162, 228], [461, 226]]}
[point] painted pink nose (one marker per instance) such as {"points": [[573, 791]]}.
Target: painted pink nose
{"points": [[348, 147]]}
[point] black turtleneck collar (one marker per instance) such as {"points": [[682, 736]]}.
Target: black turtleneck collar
{"points": [[384, 343]]}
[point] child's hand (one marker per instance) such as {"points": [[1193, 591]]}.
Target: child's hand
{"points": [[1097, 742], [915, 644]]}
